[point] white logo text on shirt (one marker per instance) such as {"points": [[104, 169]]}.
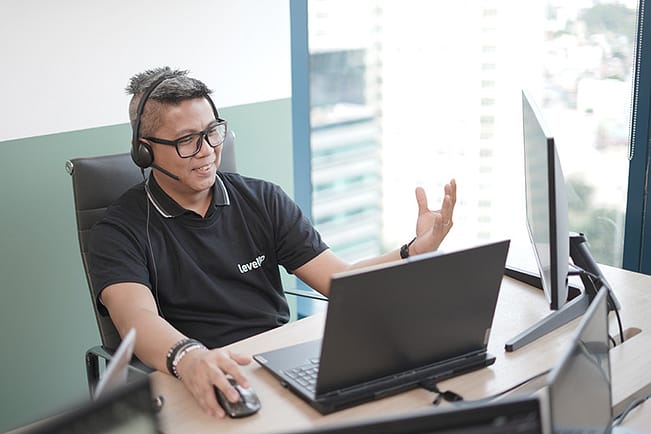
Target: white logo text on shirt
{"points": [[257, 263]]}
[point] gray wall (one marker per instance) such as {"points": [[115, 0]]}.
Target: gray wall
{"points": [[46, 320]]}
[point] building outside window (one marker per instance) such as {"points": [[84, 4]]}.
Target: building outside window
{"points": [[417, 92]]}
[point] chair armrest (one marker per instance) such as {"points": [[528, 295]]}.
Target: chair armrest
{"points": [[94, 354]]}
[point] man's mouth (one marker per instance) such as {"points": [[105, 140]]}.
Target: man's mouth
{"points": [[205, 168]]}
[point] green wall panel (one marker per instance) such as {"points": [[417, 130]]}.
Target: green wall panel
{"points": [[46, 320], [263, 139]]}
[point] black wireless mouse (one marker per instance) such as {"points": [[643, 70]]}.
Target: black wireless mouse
{"points": [[248, 404]]}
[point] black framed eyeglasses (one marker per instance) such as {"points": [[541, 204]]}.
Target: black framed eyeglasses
{"points": [[190, 145]]}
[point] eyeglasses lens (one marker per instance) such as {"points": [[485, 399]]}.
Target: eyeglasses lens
{"points": [[192, 144]]}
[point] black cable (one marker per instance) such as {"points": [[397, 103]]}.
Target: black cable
{"points": [[445, 395], [612, 341], [512, 388], [621, 329], [605, 284], [151, 252], [454, 397], [619, 319], [618, 420]]}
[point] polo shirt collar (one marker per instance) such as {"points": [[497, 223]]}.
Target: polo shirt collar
{"points": [[169, 208]]}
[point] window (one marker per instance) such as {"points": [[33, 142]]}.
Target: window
{"points": [[404, 94]]}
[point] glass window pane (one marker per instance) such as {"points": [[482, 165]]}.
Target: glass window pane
{"points": [[417, 92]]}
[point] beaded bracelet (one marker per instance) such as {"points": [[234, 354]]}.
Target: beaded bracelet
{"points": [[179, 356], [174, 350]]}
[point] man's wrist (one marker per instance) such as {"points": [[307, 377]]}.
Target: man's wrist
{"points": [[178, 351], [404, 250], [181, 354]]}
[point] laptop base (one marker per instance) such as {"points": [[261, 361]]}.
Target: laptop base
{"points": [[367, 391]]}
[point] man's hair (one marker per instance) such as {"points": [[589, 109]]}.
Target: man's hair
{"points": [[175, 88]]}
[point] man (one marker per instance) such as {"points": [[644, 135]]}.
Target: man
{"points": [[191, 256]]}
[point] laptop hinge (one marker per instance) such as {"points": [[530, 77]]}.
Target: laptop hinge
{"points": [[403, 380]]}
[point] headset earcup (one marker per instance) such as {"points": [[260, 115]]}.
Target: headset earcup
{"points": [[142, 155]]}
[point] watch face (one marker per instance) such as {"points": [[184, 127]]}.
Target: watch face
{"points": [[404, 250]]}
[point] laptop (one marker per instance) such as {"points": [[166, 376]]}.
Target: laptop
{"points": [[390, 327]]}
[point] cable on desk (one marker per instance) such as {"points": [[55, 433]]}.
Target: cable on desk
{"points": [[599, 280], [619, 319], [618, 420], [445, 395], [458, 399]]}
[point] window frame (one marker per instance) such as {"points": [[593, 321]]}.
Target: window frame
{"points": [[637, 241]]}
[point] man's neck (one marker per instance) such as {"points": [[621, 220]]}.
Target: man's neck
{"points": [[197, 201]]}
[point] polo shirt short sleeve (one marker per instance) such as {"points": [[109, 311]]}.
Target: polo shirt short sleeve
{"points": [[215, 278]]}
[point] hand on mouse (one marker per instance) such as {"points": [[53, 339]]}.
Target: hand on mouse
{"points": [[200, 370], [247, 405]]}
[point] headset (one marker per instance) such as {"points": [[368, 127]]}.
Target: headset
{"points": [[141, 152]]}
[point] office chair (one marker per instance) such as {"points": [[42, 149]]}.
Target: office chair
{"points": [[96, 183]]}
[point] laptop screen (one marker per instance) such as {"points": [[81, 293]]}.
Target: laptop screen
{"points": [[579, 387], [407, 315]]}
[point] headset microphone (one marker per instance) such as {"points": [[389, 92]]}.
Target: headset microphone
{"points": [[164, 171]]}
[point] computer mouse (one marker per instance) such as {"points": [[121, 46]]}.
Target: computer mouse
{"points": [[248, 404]]}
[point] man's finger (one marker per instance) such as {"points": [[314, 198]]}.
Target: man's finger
{"points": [[451, 189], [421, 198]]}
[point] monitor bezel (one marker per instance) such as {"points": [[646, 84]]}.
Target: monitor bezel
{"points": [[554, 276], [466, 416]]}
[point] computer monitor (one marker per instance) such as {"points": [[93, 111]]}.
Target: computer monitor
{"points": [[523, 414], [127, 409], [548, 227], [579, 391], [546, 204]]}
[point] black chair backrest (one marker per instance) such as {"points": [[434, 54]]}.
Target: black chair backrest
{"points": [[99, 181]]}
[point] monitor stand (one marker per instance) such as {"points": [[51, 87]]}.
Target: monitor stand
{"points": [[594, 279], [578, 300]]}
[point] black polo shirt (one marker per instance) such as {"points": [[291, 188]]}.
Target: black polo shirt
{"points": [[216, 278]]}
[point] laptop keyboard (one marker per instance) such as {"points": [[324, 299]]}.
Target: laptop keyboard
{"points": [[305, 375]]}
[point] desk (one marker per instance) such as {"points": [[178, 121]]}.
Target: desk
{"points": [[518, 307], [640, 418]]}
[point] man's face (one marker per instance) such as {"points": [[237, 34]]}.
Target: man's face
{"points": [[197, 173]]}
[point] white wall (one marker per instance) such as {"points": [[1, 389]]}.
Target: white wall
{"points": [[65, 63]]}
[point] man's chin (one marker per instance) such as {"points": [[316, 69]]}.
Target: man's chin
{"points": [[202, 183]]}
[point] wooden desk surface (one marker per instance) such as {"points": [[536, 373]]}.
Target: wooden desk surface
{"points": [[518, 307]]}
